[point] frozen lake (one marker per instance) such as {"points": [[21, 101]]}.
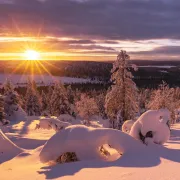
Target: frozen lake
{"points": [[21, 80]]}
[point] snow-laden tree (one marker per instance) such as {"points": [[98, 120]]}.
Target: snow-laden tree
{"points": [[86, 107], [8, 86], [100, 100], [123, 93], [11, 103], [144, 97], [71, 99], [45, 103], [2, 113], [33, 100], [163, 98], [70, 95], [59, 101]]}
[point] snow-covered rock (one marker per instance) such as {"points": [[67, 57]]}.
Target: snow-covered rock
{"points": [[127, 125], [154, 121], [85, 141]]}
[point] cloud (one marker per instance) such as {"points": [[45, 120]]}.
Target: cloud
{"points": [[103, 19]]}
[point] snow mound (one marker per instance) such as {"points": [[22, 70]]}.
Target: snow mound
{"points": [[127, 125], [154, 121], [85, 142], [52, 123], [8, 149]]}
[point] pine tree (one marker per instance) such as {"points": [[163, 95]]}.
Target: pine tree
{"points": [[2, 113], [33, 100], [11, 103], [59, 101], [100, 100], [45, 104], [8, 86], [123, 93], [71, 99]]}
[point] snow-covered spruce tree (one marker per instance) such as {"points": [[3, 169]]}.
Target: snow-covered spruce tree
{"points": [[2, 113], [8, 86], [123, 93], [144, 97], [11, 104], [45, 104], [59, 101], [86, 107], [163, 98], [71, 99], [100, 100], [33, 100]]}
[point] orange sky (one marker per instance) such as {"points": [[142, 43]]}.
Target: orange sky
{"points": [[69, 48]]}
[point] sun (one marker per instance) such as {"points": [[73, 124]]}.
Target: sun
{"points": [[31, 55]]}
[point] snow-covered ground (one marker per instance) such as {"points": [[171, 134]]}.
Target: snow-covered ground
{"points": [[154, 162], [154, 66], [21, 80]]}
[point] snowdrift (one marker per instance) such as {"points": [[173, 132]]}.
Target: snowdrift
{"points": [[154, 121], [85, 142], [127, 125], [8, 149]]}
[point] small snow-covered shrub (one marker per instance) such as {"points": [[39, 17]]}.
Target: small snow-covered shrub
{"points": [[67, 157], [127, 125], [152, 124]]}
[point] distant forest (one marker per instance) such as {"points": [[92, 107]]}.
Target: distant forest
{"points": [[145, 77]]}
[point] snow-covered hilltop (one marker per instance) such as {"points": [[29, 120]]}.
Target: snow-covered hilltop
{"points": [[139, 162]]}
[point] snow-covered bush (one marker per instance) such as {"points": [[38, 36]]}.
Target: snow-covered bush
{"points": [[123, 93], [152, 125], [163, 97], [86, 108], [127, 125], [52, 123], [84, 142]]}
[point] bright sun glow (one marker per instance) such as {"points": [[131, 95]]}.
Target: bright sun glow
{"points": [[32, 55]]}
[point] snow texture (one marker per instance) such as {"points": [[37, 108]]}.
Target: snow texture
{"points": [[85, 141], [7, 148], [155, 121]]}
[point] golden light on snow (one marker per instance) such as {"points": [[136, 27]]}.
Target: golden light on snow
{"points": [[31, 55]]}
